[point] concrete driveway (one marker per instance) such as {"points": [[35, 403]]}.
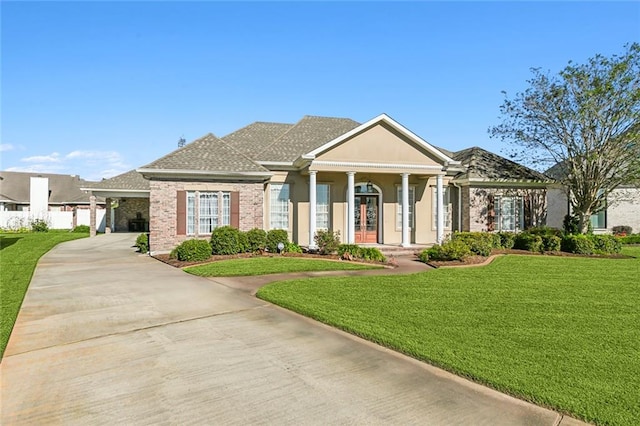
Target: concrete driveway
{"points": [[108, 336]]}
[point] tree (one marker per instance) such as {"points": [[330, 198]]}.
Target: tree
{"points": [[586, 122]]}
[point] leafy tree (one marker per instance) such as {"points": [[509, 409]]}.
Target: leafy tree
{"points": [[585, 122]]}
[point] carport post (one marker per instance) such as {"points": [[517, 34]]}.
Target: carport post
{"points": [[92, 215]]}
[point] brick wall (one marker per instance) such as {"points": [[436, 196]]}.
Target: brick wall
{"points": [[163, 209], [477, 203], [128, 208]]}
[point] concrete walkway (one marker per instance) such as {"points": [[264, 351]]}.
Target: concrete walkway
{"points": [[107, 336]]}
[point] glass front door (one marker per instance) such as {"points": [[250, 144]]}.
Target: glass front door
{"points": [[366, 219]]}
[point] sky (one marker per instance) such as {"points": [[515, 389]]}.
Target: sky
{"points": [[98, 88]]}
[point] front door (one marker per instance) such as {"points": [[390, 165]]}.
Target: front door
{"points": [[366, 219]]}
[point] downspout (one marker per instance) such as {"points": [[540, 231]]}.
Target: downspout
{"points": [[459, 204]]}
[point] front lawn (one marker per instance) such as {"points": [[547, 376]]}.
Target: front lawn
{"points": [[271, 265], [19, 254], [560, 332]]}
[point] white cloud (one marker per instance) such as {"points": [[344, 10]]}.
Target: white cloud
{"points": [[54, 157], [39, 168], [6, 147]]}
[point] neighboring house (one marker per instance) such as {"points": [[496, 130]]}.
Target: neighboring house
{"points": [[622, 205], [57, 199], [375, 182]]}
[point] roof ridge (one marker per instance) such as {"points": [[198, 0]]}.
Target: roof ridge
{"points": [[232, 148], [180, 149], [279, 137]]}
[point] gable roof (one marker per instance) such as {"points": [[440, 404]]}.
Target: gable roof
{"points": [[128, 181], [381, 119], [15, 187], [208, 155], [307, 134], [484, 165], [254, 138]]}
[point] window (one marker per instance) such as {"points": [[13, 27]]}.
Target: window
{"points": [[599, 220], [412, 204], [210, 212], [446, 206], [509, 213], [322, 206], [279, 206]]}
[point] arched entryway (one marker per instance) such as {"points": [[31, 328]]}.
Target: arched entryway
{"points": [[367, 213]]}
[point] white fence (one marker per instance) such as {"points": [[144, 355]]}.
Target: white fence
{"points": [[55, 220]]}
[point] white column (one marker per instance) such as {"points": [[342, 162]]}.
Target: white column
{"points": [[351, 212], [312, 208], [406, 242], [439, 210]]}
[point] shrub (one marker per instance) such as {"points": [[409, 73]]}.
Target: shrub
{"points": [[606, 244], [480, 243], [292, 248], [39, 225], [544, 230], [630, 239], [580, 244], [327, 241], [571, 225], [453, 250], [142, 242], [81, 229], [372, 254], [424, 256], [275, 236], [228, 240], [526, 241], [193, 250], [622, 230], [507, 239], [551, 242], [256, 239], [352, 250]]}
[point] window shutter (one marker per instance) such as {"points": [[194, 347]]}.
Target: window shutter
{"points": [[181, 213], [235, 209], [491, 213]]}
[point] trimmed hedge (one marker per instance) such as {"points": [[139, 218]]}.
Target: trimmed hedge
{"points": [[606, 244], [256, 239], [228, 240], [578, 243], [276, 236], [630, 239], [526, 241], [192, 251], [364, 253], [480, 243], [452, 250], [82, 229]]}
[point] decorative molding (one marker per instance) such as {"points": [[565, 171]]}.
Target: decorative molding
{"points": [[367, 165]]}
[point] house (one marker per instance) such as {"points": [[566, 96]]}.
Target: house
{"points": [[374, 182], [55, 198]]}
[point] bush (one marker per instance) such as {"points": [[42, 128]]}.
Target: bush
{"points": [[274, 237], [507, 239], [372, 254], [39, 225], [551, 242], [228, 240], [327, 241], [571, 225], [630, 239], [622, 230], [580, 244], [544, 230], [193, 251], [81, 229], [606, 244], [292, 248], [480, 243], [142, 242], [526, 241], [424, 256], [351, 249], [453, 250], [256, 239]]}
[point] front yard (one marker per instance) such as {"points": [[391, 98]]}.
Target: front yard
{"points": [[19, 254], [560, 332]]}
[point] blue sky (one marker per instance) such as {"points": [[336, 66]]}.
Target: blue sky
{"points": [[98, 88]]}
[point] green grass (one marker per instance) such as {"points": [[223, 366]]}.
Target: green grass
{"points": [[560, 332], [19, 254], [271, 265]]}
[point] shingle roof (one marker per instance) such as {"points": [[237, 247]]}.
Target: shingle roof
{"points": [[63, 189], [487, 165], [206, 154], [130, 180], [307, 134], [254, 138]]}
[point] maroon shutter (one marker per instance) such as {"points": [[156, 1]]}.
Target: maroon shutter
{"points": [[235, 209], [491, 213], [181, 213]]}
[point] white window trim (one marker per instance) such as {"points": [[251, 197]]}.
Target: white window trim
{"points": [[318, 212], [448, 209], [412, 207], [287, 204], [518, 213], [223, 219]]}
